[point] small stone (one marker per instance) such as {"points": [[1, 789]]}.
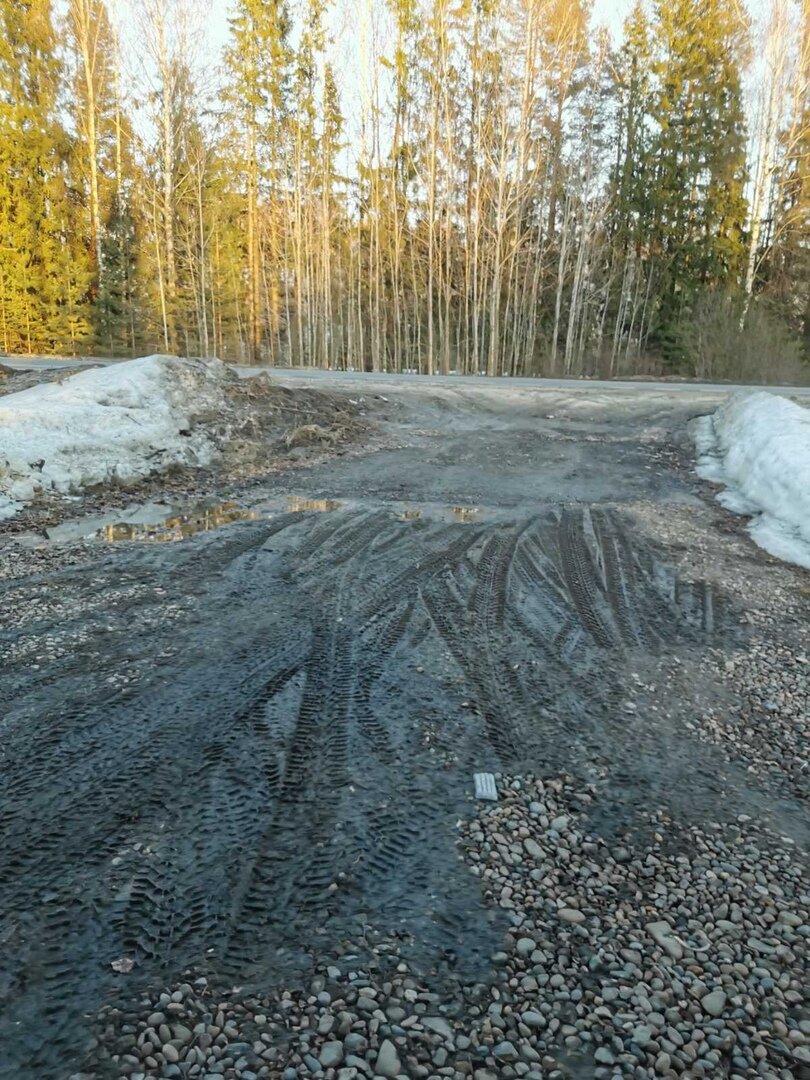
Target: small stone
{"points": [[331, 1055], [533, 1019], [642, 1035], [570, 915], [714, 1003], [790, 918], [505, 1051], [439, 1025], [325, 1024], [533, 849], [663, 936], [171, 1053], [354, 1062], [388, 1063]]}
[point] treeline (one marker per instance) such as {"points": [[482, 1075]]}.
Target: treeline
{"points": [[475, 185]]}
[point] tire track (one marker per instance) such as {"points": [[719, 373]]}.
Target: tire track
{"points": [[578, 569], [244, 792]]}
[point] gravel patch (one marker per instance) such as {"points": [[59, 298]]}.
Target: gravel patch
{"points": [[680, 953], [688, 952], [766, 721], [770, 726]]}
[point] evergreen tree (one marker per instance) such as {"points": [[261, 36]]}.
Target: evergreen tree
{"points": [[258, 61], [633, 91], [788, 267], [115, 307], [44, 278], [93, 98], [697, 200]]}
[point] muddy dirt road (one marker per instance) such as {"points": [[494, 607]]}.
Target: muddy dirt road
{"points": [[235, 754]]}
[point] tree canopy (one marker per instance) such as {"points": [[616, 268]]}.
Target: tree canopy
{"points": [[463, 185]]}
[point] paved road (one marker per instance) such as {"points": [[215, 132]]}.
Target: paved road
{"points": [[316, 375]]}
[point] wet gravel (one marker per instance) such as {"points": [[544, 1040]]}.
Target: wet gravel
{"points": [[769, 726], [668, 952], [684, 952], [765, 721]]}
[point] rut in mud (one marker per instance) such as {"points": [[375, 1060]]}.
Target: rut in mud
{"points": [[256, 743]]}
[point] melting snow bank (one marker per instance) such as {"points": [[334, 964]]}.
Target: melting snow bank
{"points": [[120, 422], [758, 446]]}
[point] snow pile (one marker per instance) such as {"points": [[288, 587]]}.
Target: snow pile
{"points": [[758, 446], [120, 422]]}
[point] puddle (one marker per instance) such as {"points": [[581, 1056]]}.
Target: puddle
{"points": [[464, 513], [438, 512], [159, 523], [152, 522], [178, 526], [88, 527], [297, 503]]}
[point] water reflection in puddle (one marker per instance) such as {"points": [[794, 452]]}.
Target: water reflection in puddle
{"points": [[159, 523], [464, 513], [178, 526], [438, 511], [297, 503]]}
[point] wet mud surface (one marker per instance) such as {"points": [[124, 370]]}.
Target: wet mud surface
{"points": [[232, 753]]}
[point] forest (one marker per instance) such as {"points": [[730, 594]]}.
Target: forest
{"points": [[476, 186]]}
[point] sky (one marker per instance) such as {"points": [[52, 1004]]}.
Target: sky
{"points": [[611, 13]]}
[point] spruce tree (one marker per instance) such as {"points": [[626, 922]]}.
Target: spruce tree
{"points": [[44, 279], [258, 61], [633, 91], [697, 199], [787, 269]]}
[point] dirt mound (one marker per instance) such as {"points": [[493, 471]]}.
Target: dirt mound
{"points": [[263, 415], [250, 427]]}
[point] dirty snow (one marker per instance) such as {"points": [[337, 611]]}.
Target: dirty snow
{"points": [[758, 446], [115, 423]]}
